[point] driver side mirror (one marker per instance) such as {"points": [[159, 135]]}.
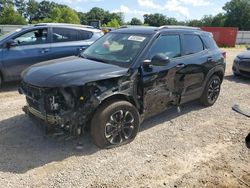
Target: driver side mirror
{"points": [[11, 43], [157, 60]]}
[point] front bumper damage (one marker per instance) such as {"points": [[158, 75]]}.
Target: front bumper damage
{"points": [[55, 109]]}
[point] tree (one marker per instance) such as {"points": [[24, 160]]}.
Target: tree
{"points": [[238, 14], [155, 19], [32, 10], [8, 15], [219, 20], [21, 7], [96, 14], [135, 21], [83, 18], [113, 23], [62, 15]]}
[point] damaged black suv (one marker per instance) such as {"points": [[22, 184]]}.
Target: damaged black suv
{"points": [[127, 75]]}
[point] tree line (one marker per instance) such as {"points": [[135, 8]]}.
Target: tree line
{"points": [[18, 12]]}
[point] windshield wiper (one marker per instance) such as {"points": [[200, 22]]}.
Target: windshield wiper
{"points": [[94, 59]]}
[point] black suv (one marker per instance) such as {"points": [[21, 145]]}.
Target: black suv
{"points": [[125, 76]]}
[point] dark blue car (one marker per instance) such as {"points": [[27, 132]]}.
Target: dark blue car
{"points": [[41, 42]]}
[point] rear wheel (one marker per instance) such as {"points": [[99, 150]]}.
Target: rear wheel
{"points": [[1, 80], [114, 124], [211, 91]]}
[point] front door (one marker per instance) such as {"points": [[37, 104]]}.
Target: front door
{"points": [[159, 81], [31, 47]]}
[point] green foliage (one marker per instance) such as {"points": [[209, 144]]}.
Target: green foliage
{"points": [[8, 15], [155, 19], [159, 20], [135, 21], [238, 14], [113, 23], [104, 16]]}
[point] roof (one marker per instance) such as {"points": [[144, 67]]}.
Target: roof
{"points": [[85, 27]]}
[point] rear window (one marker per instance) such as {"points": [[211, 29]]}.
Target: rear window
{"points": [[64, 35], [84, 35], [193, 44]]}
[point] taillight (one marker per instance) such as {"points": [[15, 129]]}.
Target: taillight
{"points": [[224, 54]]}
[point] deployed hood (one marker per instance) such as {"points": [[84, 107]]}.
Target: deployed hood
{"points": [[244, 55], [70, 71]]}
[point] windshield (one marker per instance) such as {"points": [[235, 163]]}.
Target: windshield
{"points": [[117, 48]]}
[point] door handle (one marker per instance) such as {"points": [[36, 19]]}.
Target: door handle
{"points": [[44, 51], [180, 65], [210, 59]]}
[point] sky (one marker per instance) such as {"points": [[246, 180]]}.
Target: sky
{"points": [[180, 9]]}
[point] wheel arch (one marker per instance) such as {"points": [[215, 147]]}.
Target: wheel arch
{"points": [[219, 71], [119, 96]]}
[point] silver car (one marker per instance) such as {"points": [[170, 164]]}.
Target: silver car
{"points": [[41, 42]]}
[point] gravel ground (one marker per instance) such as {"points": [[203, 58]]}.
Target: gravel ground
{"points": [[201, 147]]}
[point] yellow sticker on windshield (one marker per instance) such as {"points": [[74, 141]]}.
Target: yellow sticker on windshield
{"points": [[137, 38]]}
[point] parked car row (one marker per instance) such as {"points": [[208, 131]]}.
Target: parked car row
{"points": [[32, 44]]}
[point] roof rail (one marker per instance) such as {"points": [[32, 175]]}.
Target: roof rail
{"points": [[65, 24], [177, 27]]}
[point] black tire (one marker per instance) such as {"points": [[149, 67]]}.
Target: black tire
{"points": [[115, 123], [211, 91], [1, 80]]}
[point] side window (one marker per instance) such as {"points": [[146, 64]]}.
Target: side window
{"points": [[64, 35], [38, 36], [84, 35], [167, 45], [193, 44]]}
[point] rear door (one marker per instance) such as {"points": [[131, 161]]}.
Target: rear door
{"points": [[159, 81], [31, 47], [197, 61], [67, 42]]}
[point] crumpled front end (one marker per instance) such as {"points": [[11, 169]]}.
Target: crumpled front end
{"points": [[65, 108]]}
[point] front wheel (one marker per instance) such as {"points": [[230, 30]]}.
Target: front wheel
{"points": [[114, 124], [211, 91]]}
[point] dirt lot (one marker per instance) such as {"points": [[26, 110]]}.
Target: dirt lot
{"points": [[201, 147]]}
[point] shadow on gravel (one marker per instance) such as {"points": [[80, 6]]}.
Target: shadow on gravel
{"points": [[9, 86], [237, 79], [170, 115], [23, 146]]}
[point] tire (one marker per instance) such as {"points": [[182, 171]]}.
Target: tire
{"points": [[211, 91], [1, 80], [115, 123], [236, 74]]}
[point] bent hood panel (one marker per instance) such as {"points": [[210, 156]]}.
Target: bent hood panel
{"points": [[70, 71]]}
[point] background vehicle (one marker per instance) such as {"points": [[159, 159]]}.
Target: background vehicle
{"points": [[127, 75], [41, 42], [241, 64]]}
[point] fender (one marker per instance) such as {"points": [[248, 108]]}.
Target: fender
{"points": [[220, 69]]}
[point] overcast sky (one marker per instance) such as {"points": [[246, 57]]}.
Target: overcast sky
{"points": [[180, 9]]}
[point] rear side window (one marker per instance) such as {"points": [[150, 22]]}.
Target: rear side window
{"points": [[64, 35], [84, 35], [209, 40], [167, 45], [193, 44]]}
